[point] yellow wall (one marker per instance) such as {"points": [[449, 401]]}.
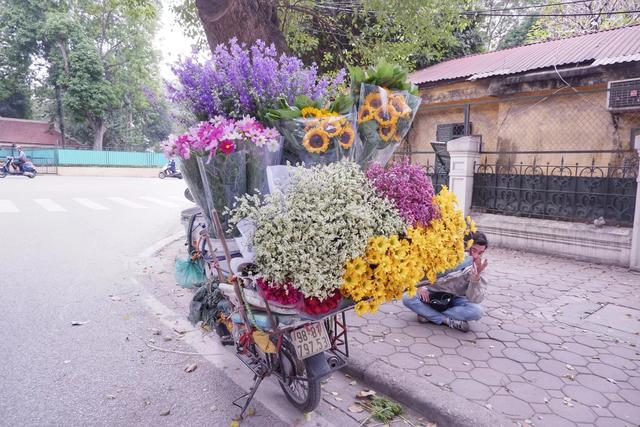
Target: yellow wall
{"points": [[546, 123]]}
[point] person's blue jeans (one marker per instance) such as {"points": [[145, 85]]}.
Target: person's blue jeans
{"points": [[461, 309]]}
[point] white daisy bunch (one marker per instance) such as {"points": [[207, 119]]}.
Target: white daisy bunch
{"points": [[325, 219]]}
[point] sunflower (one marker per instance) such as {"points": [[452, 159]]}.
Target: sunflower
{"points": [[386, 116], [387, 132], [365, 113], [316, 141], [331, 127], [400, 104], [347, 137], [373, 101], [308, 112]]}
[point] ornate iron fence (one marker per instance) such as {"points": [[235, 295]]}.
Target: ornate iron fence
{"points": [[561, 192]]}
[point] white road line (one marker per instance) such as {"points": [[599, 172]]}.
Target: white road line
{"points": [[126, 202], [8, 206], [181, 199], [90, 204], [159, 202], [50, 205]]}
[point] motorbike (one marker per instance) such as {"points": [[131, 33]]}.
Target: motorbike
{"points": [[6, 168], [165, 172]]}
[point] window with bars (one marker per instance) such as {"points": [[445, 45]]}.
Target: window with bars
{"points": [[449, 131]]}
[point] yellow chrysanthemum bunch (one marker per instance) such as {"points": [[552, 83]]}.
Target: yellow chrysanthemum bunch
{"points": [[394, 265]]}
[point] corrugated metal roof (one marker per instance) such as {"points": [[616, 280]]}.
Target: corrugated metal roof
{"points": [[599, 48]]}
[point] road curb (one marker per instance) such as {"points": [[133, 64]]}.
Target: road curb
{"points": [[443, 407]]}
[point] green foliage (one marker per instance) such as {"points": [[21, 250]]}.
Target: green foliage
{"points": [[334, 33], [385, 74], [99, 54], [383, 409], [341, 105], [518, 35]]}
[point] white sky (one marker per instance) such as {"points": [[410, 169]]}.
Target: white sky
{"points": [[170, 41]]}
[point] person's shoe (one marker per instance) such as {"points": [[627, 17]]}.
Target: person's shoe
{"points": [[422, 319], [461, 325]]}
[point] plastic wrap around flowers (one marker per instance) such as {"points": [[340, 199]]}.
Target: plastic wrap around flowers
{"points": [[384, 119], [320, 138], [236, 154]]}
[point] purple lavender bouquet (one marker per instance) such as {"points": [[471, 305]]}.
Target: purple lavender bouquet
{"points": [[408, 187], [241, 80]]}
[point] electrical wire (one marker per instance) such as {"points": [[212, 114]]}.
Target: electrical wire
{"points": [[616, 12]]}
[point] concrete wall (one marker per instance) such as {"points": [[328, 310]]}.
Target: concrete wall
{"points": [[586, 242], [108, 171]]}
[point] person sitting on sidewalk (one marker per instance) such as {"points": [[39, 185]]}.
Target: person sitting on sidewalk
{"points": [[455, 296]]}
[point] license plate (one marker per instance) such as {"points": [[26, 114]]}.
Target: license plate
{"points": [[310, 339]]}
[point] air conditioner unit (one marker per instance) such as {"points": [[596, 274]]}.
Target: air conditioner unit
{"points": [[624, 95]]}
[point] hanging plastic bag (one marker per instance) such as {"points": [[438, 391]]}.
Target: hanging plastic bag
{"points": [[189, 272]]}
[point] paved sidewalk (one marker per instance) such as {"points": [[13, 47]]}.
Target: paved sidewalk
{"points": [[557, 347]]}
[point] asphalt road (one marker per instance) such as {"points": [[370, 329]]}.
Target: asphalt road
{"points": [[68, 246]]}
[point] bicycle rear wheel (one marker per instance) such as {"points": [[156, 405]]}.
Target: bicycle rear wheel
{"points": [[303, 392]]}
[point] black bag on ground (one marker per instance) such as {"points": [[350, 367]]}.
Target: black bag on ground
{"points": [[440, 301]]}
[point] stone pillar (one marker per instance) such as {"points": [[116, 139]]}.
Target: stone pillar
{"points": [[634, 262], [464, 154]]}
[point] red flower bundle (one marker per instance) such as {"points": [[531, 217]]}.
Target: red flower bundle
{"points": [[284, 294]]}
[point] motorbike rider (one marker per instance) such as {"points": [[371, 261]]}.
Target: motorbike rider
{"points": [[20, 160], [172, 166]]}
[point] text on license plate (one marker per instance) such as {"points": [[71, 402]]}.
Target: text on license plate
{"points": [[310, 339]]}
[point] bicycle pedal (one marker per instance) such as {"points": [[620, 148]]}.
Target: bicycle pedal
{"points": [[227, 340]]}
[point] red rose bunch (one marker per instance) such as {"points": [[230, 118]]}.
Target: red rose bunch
{"points": [[316, 306], [284, 293]]}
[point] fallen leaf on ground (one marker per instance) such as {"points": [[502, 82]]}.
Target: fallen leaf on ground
{"points": [[611, 380], [251, 412], [353, 383], [365, 393], [167, 338], [335, 393], [356, 409], [489, 406], [165, 412], [431, 425], [67, 362], [213, 408], [155, 331], [235, 423], [110, 396], [191, 368], [339, 399], [116, 298], [78, 323]]}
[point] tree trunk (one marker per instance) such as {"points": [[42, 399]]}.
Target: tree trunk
{"points": [[247, 20], [60, 112], [99, 128]]}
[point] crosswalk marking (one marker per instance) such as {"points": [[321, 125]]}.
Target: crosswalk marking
{"points": [[90, 204], [50, 205], [159, 202], [8, 206], [126, 202]]}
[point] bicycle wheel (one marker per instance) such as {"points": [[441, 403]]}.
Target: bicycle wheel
{"points": [[301, 391]]}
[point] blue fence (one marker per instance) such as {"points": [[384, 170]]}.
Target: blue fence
{"points": [[63, 157]]}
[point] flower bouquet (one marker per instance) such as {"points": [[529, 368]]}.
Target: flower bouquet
{"points": [[433, 242], [236, 154], [306, 235], [315, 135], [387, 104]]}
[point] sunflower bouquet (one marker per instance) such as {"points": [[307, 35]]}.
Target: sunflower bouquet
{"points": [[386, 106], [384, 119], [316, 135]]}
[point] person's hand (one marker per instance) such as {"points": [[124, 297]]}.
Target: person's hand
{"points": [[423, 293], [478, 267]]}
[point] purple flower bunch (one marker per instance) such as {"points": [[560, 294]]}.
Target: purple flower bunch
{"points": [[408, 187], [221, 135], [240, 80]]}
